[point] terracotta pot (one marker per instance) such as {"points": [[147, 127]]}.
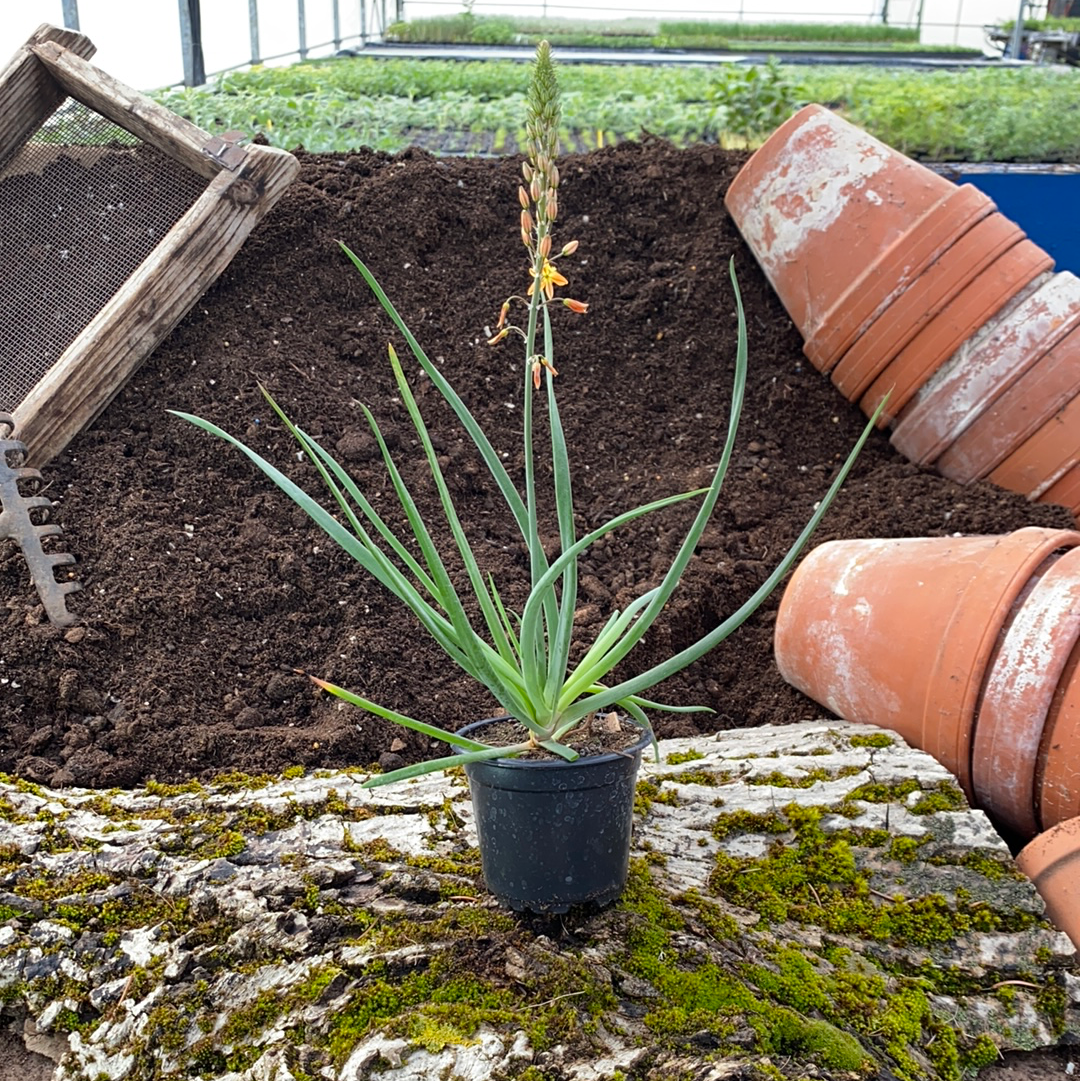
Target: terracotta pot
{"points": [[985, 366], [821, 202], [1065, 491], [964, 316], [887, 278], [1029, 404], [1047, 456], [1020, 685], [1057, 774], [1052, 862], [899, 633], [909, 313]]}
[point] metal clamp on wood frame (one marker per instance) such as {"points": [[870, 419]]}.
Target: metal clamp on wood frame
{"points": [[224, 150]]}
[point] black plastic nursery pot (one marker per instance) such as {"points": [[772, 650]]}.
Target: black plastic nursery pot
{"points": [[554, 833]]}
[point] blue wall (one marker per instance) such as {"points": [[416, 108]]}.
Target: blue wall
{"points": [[1046, 205]]}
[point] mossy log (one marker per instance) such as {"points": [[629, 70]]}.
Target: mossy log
{"points": [[816, 900]]}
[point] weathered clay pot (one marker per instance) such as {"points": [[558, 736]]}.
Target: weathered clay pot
{"points": [[1065, 491], [944, 282], [1052, 862], [885, 279], [985, 367], [1046, 456], [1020, 685], [1032, 402], [899, 633], [955, 324], [835, 218], [1057, 774]]}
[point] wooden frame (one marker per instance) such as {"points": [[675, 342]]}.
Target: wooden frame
{"points": [[244, 183]]}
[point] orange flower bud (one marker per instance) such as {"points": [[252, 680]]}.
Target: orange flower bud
{"points": [[502, 314], [526, 171], [552, 205], [554, 176], [569, 249], [536, 374], [523, 198], [578, 306], [545, 246], [526, 222], [535, 189], [526, 238], [499, 337]]}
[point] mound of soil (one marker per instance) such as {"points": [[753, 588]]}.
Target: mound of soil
{"points": [[205, 588]]}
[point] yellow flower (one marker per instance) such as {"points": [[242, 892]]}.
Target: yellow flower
{"points": [[549, 278]]}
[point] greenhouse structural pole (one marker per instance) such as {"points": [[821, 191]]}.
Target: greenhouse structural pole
{"points": [[1016, 47], [191, 43], [301, 27], [71, 14], [337, 26], [253, 29]]}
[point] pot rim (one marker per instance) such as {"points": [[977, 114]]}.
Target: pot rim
{"points": [[553, 763]]}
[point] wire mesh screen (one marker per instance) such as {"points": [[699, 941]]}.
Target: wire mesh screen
{"points": [[82, 204]]}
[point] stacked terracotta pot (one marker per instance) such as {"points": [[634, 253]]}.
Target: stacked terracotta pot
{"points": [[903, 284], [969, 647]]}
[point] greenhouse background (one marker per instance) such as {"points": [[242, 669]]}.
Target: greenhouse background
{"points": [[236, 32]]}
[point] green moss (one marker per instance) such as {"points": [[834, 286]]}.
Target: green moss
{"points": [[379, 851], [167, 1026], [789, 1034], [733, 822], [76, 901], [776, 779], [814, 878], [225, 844], [290, 773], [648, 793], [694, 776], [433, 1035], [940, 796], [48, 887], [1051, 1001], [255, 1017], [906, 849], [983, 1052], [466, 863], [876, 739], [942, 1051], [717, 922], [834, 1008], [946, 797], [167, 791], [994, 866], [677, 758], [445, 1002]]}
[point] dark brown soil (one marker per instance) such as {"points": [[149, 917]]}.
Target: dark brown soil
{"points": [[205, 588]]}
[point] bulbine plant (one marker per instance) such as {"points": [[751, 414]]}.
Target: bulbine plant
{"points": [[522, 658]]}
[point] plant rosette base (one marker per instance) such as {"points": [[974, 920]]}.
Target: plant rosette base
{"points": [[554, 833]]}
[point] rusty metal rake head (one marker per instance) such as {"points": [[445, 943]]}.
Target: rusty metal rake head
{"points": [[17, 524]]}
